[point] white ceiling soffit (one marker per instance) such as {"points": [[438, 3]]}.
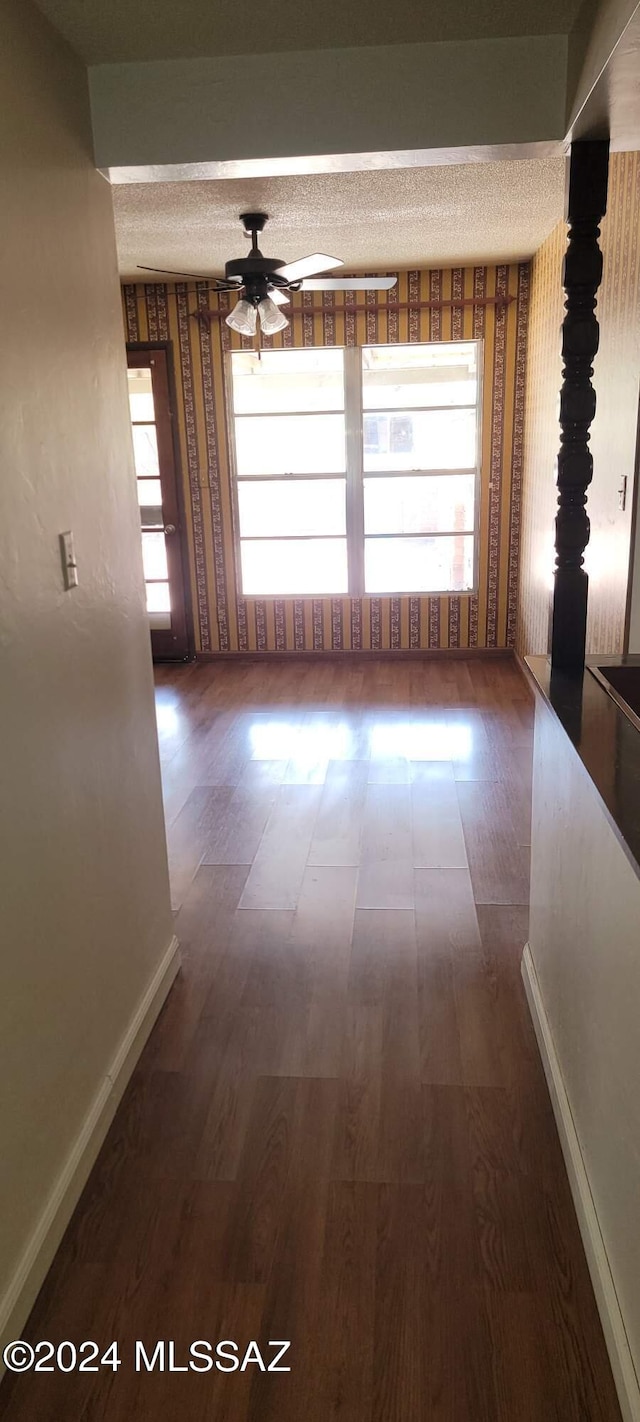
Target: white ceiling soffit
{"points": [[375, 220], [112, 31], [300, 165]]}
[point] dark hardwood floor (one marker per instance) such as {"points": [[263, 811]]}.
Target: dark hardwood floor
{"points": [[339, 1133]]}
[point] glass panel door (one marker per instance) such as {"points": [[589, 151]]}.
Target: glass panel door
{"points": [[157, 489]]}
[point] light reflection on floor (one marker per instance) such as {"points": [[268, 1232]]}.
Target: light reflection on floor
{"points": [[421, 740], [415, 739], [168, 718]]}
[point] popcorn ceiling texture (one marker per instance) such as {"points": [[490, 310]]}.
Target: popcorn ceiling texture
{"points": [[462, 214]]}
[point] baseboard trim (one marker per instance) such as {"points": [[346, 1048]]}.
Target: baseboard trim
{"points": [[37, 1257], [622, 1365], [366, 654], [521, 664]]}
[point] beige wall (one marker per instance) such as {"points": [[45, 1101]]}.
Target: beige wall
{"points": [[86, 920], [613, 435]]}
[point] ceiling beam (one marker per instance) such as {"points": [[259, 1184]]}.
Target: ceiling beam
{"points": [[463, 97]]}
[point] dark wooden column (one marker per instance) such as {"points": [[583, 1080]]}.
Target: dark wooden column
{"points": [[581, 276]]}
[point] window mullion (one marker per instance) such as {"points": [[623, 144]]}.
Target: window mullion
{"points": [[355, 491]]}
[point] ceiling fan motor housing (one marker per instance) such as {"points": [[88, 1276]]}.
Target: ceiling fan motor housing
{"points": [[257, 274]]}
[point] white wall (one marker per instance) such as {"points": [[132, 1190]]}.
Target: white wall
{"points": [[84, 901], [599, 27], [584, 941], [457, 94], [634, 609]]}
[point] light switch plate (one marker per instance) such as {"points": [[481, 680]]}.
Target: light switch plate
{"points": [[69, 565]]}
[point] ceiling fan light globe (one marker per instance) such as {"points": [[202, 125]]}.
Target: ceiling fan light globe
{"points": [[243, 318], [272, 318]]}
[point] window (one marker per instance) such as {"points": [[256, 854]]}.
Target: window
{"points": [[289, 423], [357, 470], [419, 466]]}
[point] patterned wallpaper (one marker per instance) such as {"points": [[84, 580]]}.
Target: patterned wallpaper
{"points": [[541, 442], [613, 436], [227, 622]]}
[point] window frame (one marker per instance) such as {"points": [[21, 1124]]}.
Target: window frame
{"points": [[355, 475]]}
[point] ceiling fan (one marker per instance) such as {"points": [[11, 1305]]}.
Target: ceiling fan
{"points": [[265, 281]]}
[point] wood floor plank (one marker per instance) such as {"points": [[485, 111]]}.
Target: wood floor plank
{"points": [[379, 1127], [358, 1119], [239, 1038], [583, 1378], [257, 1214], [462, 737], [458, 1346], [312, 1038], [438, 837], [400, 1362], [203, 927], [308, 763], [400, 1145], [504, 931], [337, 832], [387, 831], [346, 1318], [500, 1215], [499, 865], [425, 771], [279, 864], [447, 930], [386, 880], [522, 1367], [386, 883], [185, 769], [224, 759], [392, 770], [262, 774], [451, 1250], [294, 1291], [204, 807], [236, 835]]}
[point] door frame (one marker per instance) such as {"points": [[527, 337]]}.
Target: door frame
{"points": [[162, 651]]}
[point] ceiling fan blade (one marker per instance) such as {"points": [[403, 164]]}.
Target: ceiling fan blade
{"points": [[306, 266], [220, 283], [348, 283], [280, 297]]}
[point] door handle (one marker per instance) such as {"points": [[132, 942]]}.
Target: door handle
{"points": [[169, 528]]}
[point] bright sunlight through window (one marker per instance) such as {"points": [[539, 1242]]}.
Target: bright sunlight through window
{"points": [[357, 470]]}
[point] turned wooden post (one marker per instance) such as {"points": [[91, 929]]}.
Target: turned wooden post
{"points": [[581, 276]]}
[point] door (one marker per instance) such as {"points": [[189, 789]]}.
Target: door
{"points": [[161, 521]]}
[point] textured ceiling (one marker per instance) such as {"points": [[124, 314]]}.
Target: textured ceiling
{"points": [[373, 220], [105, 31]]}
